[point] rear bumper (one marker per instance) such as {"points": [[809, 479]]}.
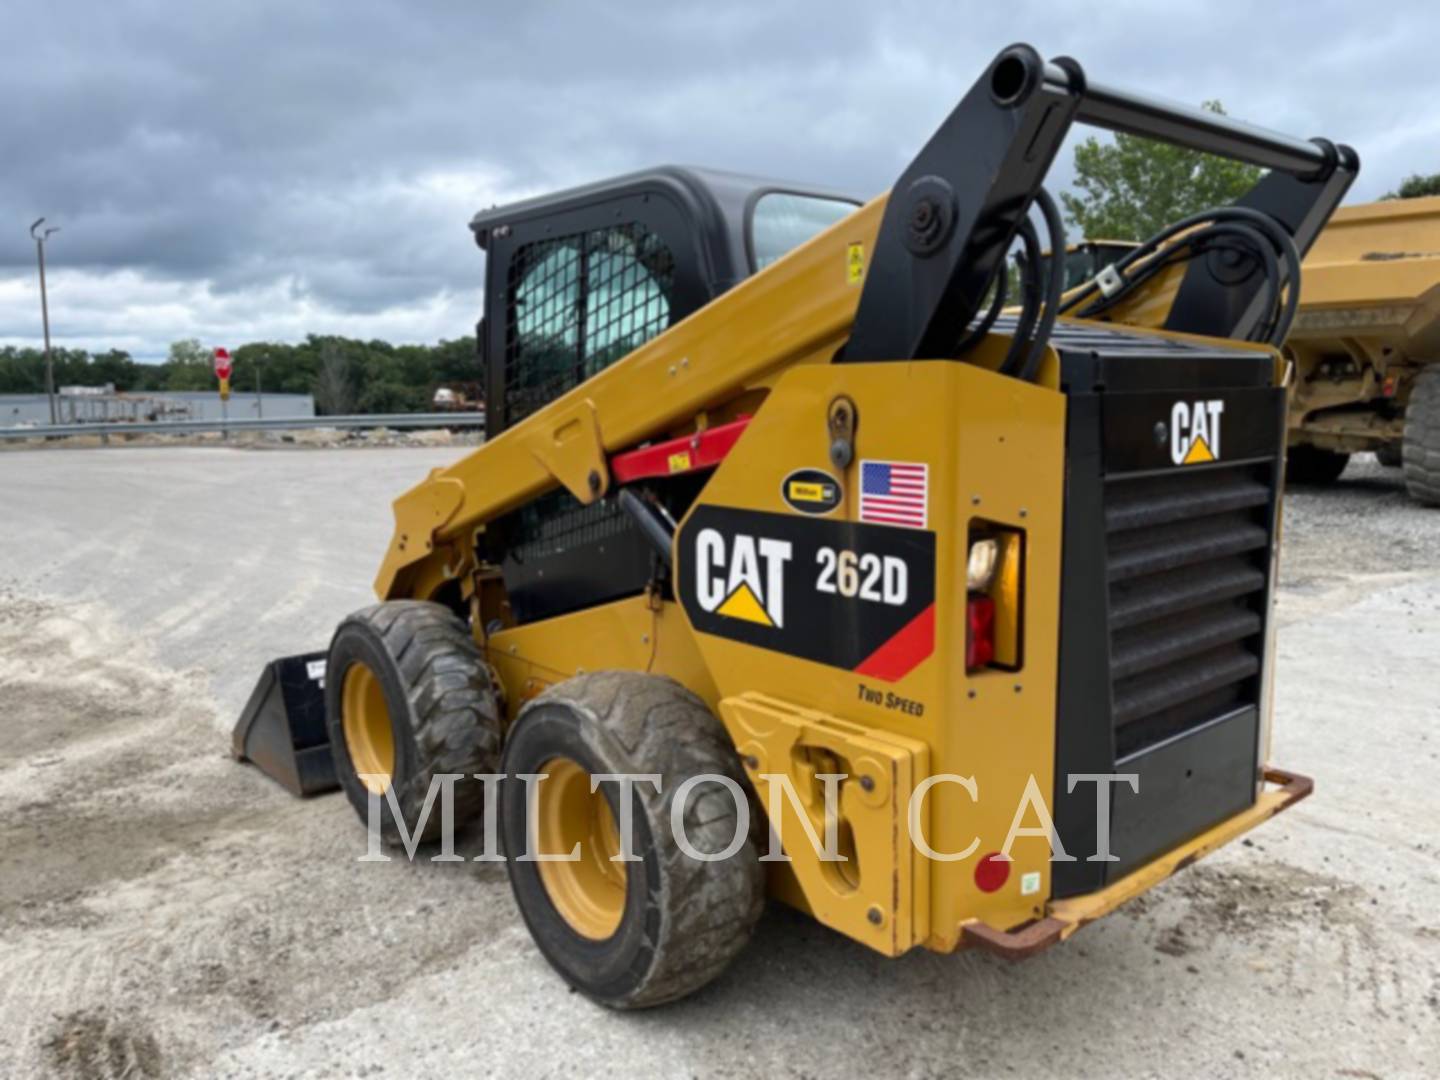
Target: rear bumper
{"points": [[1283, 790]]}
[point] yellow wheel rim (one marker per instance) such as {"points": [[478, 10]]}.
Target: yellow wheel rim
{"points": [[369, 737], [589, 893]]}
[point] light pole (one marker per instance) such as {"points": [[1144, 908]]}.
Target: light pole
{"points": [[40, 239]]}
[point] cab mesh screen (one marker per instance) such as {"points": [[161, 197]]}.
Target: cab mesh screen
{"points": [[577, 304]]}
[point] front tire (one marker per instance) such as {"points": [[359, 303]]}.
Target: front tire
{"points": [[408, 697], [629, 934]]}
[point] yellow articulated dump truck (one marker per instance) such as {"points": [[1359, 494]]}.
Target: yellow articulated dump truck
{"points": [[1366, 345], [798, 565]]}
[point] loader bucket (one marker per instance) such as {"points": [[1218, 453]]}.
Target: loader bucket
{"points": [[282, 728]]}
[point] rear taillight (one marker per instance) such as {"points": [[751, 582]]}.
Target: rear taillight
{"points": [[979, 632], [994, 574]]}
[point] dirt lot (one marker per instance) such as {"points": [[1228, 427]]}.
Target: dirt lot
{"points": [[164, 911]]}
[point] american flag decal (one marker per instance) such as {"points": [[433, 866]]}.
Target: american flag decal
{"points": [[894, 493]]}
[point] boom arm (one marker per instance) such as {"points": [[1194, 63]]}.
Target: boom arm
{"points": [[955, 211]]}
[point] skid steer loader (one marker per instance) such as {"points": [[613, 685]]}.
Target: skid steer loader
{"points": [[967, 605]]}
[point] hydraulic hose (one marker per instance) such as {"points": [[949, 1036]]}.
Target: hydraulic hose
{"points": [[1249, 232], [1038, 310], [1030, 300], [1054, 288]]}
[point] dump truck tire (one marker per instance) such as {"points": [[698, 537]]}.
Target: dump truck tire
{"points": [[408, 697], [1422, 438], [671, 923], [1310, 465], [1391, 455]]}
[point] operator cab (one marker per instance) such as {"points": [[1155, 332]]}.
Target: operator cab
{"points": [[576, 280]]}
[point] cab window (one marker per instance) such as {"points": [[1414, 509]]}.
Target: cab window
{"points": [[782, 221]]}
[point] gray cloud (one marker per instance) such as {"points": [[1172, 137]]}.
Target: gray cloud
{"points": [[316, 162]]}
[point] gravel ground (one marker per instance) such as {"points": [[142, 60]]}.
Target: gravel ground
{"points": [[300, 438], [164, 911]]}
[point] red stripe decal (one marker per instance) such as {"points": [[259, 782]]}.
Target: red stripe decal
{"points": [[911, 644], [702, 450]]}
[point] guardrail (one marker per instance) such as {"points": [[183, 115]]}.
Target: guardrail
{"points": [[293, 423]]}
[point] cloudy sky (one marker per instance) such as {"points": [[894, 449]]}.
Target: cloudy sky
{"points": [[249, 170]]}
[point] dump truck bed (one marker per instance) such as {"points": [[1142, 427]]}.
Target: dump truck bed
{"points": [[1365, 340], [1374, 273]]}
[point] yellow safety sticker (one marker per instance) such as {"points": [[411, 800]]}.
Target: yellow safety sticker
{"points": [[680, 462], [855, 264]]}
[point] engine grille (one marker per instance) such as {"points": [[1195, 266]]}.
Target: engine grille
{"points": [[1187, 558], [1165, 590]]}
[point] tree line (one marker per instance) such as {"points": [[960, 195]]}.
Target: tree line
{"points": [[343, 374]]}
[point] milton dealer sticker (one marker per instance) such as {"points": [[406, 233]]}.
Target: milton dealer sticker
{"points": [[810, 491]]}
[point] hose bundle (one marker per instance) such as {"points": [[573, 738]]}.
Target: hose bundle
{"points": [[1249, 236], [1038, 310]]}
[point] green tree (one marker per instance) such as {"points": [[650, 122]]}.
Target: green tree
{"points": [[456, 361], [72, 368], [1416, 186], [190, 366], [335, 384], [22, 371], [392, 397], [1132, 188], [115, 366]]}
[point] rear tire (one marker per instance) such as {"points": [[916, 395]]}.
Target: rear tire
{"points": [[1422, 438], [1309, 465], [408, 697], [676, 921], [1391, 455]]}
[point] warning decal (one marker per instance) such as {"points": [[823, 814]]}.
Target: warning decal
{"points": [[855, 264]]}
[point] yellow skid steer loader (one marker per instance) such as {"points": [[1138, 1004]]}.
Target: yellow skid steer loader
{"points": [[798, 564]]}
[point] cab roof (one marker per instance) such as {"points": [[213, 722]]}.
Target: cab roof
{"points": [[712, 191]]}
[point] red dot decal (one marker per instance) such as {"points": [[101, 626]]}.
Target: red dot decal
{"points": [[992, 873]]}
